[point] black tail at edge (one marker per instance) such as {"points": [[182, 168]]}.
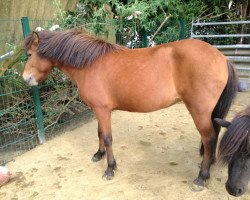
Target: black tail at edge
{"points": [[226, 99]]}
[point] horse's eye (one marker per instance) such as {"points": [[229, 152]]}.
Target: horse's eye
{"points": [[29, 54]]}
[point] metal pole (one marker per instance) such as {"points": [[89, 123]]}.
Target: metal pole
{"points": [[182, 34], [145, 38], [35, 91], [10, 53], [220, 23]]}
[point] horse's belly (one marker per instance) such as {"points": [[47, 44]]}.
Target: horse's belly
{"points": [[148, 102]]}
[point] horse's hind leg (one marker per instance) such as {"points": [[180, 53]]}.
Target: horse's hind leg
{"points": [[203, 122], [209, 140], [101, 150], [217, 130]]}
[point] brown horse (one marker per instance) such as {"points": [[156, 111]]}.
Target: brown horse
{"points": [[234, 150], [110, 77]]}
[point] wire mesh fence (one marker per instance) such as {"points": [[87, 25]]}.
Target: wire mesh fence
{"points": [[11, 34], [17, 131]]}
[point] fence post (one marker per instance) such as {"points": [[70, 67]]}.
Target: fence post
{"points": [[144, 38], [182, 34], [35, 91]]}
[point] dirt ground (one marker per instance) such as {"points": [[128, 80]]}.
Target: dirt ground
{"points": [[156, 153]]}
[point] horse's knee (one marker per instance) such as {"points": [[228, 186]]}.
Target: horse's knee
{"points": [[107, 139]]}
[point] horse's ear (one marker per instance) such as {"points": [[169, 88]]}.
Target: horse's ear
{"points": [[222, 122], [35, 38]]}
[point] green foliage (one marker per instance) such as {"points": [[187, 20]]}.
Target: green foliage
{"points": [[146, 14], [17, 59], [129, 19], [134, 16]]}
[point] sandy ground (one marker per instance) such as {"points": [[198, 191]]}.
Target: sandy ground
{"points": [[156, 153]]}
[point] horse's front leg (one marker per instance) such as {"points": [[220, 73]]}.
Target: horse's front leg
{"points": [[104, 127]]}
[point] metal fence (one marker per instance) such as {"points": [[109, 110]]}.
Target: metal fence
{"points": [[231, 38]]}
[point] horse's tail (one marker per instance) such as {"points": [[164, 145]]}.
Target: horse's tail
{"points": [[222, 107]]}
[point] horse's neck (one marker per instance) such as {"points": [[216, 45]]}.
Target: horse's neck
{"points": [[71, 72]]}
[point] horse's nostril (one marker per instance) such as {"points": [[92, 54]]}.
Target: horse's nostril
{"points": [[239, 192], [234, 190]]}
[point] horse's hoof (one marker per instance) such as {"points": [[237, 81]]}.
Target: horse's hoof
{"points": [[196, 188], [198, 185], [96, 159], [98, 156], [107, 176]]}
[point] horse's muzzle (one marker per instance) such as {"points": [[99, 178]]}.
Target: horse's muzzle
{"points": [[235, 189], [28, 78]]}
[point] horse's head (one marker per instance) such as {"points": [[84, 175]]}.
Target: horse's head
{"points": [[238, 174], [36, 68], [234, 150]]}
